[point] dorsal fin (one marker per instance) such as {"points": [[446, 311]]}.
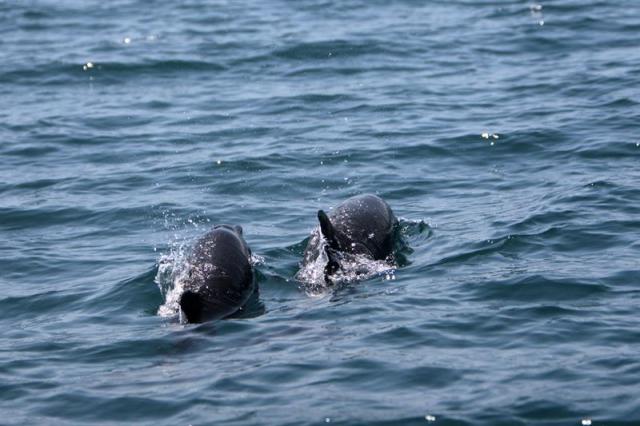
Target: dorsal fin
{"points": [[333, 265], [326, 228]]}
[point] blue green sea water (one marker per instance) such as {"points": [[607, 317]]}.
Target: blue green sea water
{"points": [[504, 134]]}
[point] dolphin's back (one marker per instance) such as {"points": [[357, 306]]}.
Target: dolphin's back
{"points": [[220, 278], [367, 220], [222, 252]]}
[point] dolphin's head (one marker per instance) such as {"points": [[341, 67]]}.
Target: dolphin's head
{"points": [[339, 239], [235, 228]]}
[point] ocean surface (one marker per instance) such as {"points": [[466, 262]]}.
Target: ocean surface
{"points": [[504, 134]]}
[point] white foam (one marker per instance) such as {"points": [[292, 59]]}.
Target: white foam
{"points": [[172, 268], [354, 267]]}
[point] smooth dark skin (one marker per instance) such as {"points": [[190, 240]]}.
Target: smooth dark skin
{"points": [[221, 277], [362, 225]]}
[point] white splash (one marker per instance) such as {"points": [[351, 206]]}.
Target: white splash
{"points": [[354, 267], [173, 266], [172, 270], [256, 260], [487, 135], [311, 274]]}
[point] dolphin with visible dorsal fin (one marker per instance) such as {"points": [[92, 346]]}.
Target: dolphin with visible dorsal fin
{"points": [[361, 225], [220, 278]]}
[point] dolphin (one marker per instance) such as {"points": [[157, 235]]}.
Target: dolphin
{"points": [[220, 278], [361, 225]]}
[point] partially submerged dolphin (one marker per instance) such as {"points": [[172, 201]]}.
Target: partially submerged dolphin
{"points": [[220, 278], [362, 225]]}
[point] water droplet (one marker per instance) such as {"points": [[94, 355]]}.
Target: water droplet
{"points": [[586, 422], [219, 162], [126, 40], [430, 418], [541, 23], [327, 420], [487, 135], [87, 66]]}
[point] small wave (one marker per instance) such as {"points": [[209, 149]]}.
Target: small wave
{"points": [[44, 303], [412, 234], [55, 73], [329, 49], [31, 151], [538, 288], [606, 150], [414, 228], [322, 71], [20, 219]]}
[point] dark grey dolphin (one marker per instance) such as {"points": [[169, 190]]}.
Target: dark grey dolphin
{"points": [[220, 277], [361, 225]]}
